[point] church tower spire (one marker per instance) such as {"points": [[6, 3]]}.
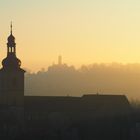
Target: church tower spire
{"points": [[11, 45], [11, 62], [12, 86], [11, 75]]}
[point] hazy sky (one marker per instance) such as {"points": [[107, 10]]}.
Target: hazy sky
{"points": [[82, 31]]}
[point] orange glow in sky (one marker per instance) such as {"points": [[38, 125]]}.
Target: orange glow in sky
{"points": [[82, 31]]}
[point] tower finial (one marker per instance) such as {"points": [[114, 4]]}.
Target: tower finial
{"points": [[11, 27]]}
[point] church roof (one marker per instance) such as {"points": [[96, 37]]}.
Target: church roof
{"points": [[100, 105]]}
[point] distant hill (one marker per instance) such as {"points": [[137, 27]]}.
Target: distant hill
{"points": [[61, 79]]}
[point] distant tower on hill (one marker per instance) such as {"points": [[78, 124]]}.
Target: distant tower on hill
{"points": [[59, 60], [11, 77]]}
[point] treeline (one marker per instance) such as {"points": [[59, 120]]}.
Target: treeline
{"points": [[64, 80]]}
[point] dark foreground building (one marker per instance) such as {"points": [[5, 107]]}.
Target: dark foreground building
{"points": [[99, 117]]}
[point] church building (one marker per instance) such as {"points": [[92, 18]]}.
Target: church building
{"points": [[55, 118]]}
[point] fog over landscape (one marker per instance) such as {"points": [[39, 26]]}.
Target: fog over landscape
{"points": [[64, 80]]}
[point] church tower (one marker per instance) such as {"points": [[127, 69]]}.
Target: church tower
{"points": [[11, 77]]}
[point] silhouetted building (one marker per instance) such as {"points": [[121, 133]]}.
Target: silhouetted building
{"points": [[12, 89], [11, 77], [57, 118]]}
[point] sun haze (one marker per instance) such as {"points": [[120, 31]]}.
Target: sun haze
{"points": [[82, 31]]}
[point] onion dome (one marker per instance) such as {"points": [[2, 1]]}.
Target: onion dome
{"points": [[11, 62], [11, 39]]}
